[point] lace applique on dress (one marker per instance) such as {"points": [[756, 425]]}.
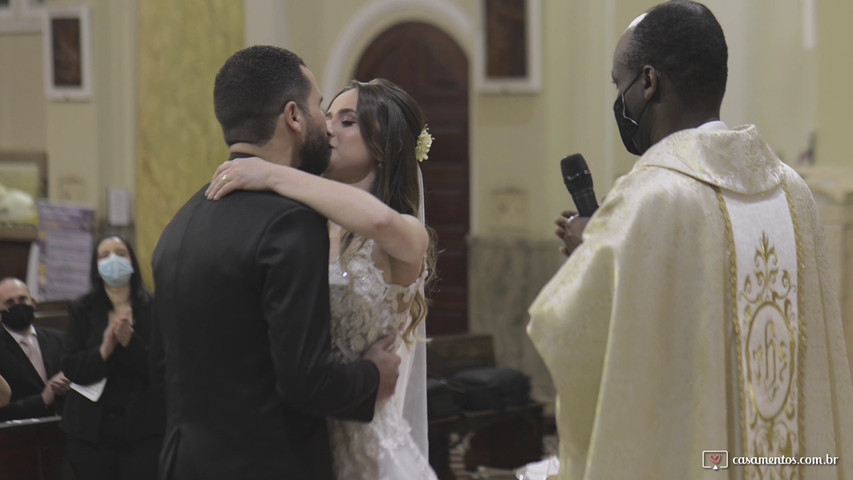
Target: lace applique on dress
{"points": [[365, 307]]}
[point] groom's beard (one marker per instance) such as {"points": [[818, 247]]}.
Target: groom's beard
{"points": [[315, 151]]}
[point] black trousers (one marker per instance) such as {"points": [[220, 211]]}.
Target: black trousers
{"points": [[112, 460]]}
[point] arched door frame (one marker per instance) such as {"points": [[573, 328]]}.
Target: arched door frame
{"points": [[367, 24], [377, 17]]}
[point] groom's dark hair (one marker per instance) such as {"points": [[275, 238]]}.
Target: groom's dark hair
{"points": [[251, 90]]}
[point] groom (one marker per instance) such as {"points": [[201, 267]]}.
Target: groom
{"points": [[243, 300]]}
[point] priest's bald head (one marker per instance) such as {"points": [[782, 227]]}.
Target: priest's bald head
{"points": [[670, 69]]}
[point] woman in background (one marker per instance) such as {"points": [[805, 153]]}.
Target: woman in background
{"points": [[381, 253], [115, 433]]}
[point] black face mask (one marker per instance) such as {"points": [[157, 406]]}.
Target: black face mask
{"points": [[627, 126], [18, 317]]}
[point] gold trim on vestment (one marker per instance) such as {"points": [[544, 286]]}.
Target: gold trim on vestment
{"points": [[733, 292], [801, 353]]}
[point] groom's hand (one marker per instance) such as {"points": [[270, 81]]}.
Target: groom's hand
{"points": [[388, 364]]}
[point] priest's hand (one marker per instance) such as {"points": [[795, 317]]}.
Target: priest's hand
{"points": [[570, 229]]}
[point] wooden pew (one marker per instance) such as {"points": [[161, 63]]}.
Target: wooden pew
{"points": [[33, 449], [504, 439]]}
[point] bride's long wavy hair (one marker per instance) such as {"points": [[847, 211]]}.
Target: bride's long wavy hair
{"points": [[390, 121]]}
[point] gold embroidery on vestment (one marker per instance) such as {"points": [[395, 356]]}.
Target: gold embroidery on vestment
{"points": [[770, 348]]}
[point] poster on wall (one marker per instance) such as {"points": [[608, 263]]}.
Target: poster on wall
{"points": [[65, 250]]}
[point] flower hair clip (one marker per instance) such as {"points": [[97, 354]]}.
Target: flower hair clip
{"points": [[423, 145]]}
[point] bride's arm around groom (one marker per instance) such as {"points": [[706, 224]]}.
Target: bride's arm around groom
{"points": [[243, 302]]}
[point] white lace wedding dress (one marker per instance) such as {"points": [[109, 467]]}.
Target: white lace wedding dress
{"points": [[364, 307]]}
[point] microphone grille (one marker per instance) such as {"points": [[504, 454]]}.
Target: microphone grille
{"points": [[575, 171]]}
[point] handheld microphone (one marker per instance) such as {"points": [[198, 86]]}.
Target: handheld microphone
{"points": [[578, 181]]}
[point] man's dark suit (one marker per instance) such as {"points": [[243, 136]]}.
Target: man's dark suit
{"points": [[242, 302], [22, 377]]}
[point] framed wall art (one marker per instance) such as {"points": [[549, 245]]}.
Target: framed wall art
{"points": [[509, 58], [67, 54]]}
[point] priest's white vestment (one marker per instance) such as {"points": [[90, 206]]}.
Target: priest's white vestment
{"points": [[698, 323]]}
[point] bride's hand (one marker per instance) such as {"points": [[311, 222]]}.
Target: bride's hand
{"points": [[251, 173]]}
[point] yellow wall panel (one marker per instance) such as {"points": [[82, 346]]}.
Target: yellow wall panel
{"points": [[179, 143]]}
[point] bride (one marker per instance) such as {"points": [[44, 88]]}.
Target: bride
{"points": [[382, 255]]}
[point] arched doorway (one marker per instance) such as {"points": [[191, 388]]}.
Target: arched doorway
{"points": [[431, 66]]}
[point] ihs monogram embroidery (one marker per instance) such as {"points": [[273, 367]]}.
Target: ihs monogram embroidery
{"points": [[769, 337]]}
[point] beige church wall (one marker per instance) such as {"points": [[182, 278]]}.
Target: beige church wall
{"points": [[780, 71], [115, 75], [93, 145], [22, 106], [516, 141], [570, 114], [331, 35], [520, 139], [834, 91], [73, 129], [181, 46], [88, 143]]}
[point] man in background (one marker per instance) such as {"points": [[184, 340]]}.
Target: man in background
{"points": [[699, 313], [30, 356]]}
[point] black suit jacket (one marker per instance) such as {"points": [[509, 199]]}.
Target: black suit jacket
{"points": [[26, 383], [242, 302], [128, 392]]}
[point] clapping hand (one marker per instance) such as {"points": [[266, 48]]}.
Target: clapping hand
{"points": [[123, 326], [119, 331], [108, 343], [59, 384], [56, 386]]}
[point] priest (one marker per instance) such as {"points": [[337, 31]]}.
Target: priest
{"points": [[697, 325]]}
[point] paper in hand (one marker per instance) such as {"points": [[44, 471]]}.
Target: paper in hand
{"points": [[92, 391]]}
